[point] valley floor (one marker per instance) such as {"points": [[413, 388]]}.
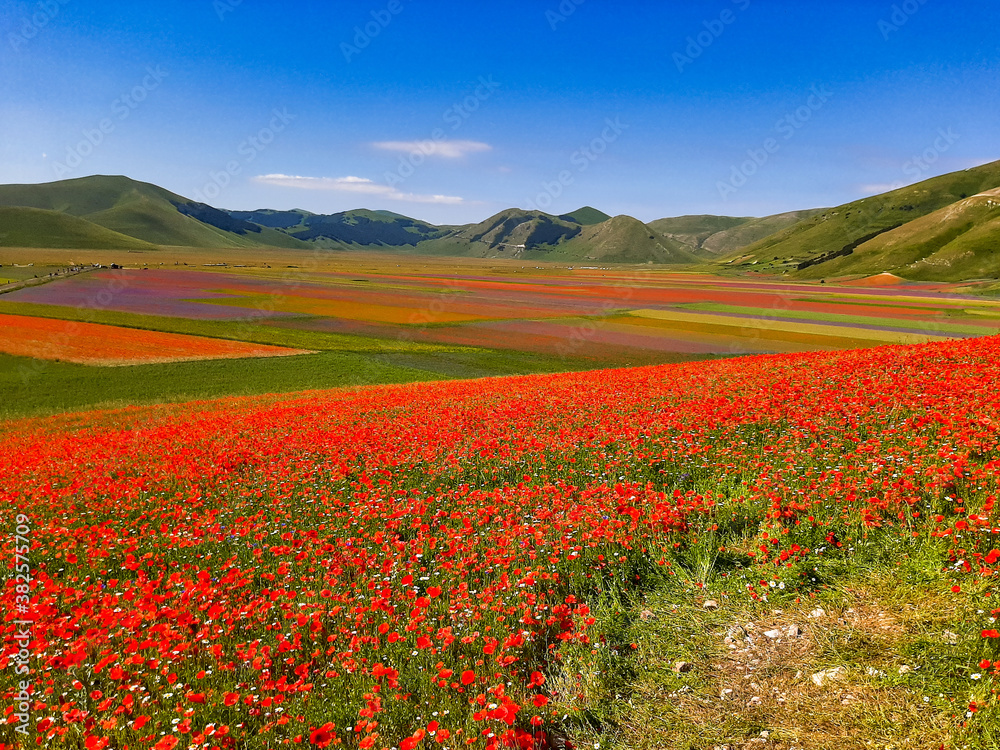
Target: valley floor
{"points": [[365, 319]]}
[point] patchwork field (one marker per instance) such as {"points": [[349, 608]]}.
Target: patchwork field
{"points": [[378, 319]]}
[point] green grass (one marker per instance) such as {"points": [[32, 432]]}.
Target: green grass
{"points": [[909, 647], [13, 273], [33, 387]]}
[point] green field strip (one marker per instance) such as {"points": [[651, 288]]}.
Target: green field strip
{"points": [[921, 302]]}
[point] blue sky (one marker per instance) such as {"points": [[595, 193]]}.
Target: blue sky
{"points": [[451, 112]]}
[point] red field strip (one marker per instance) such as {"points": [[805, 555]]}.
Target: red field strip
{"points": [[93, 344]]}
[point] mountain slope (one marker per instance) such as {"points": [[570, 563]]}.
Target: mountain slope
{"points": [[143, 211], [586, 216], [533, 235], [958, 242], [360, 227], [621, 239], [38, 227], [714, 236], [838, 232]]}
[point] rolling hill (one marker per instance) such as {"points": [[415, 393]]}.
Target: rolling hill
{"points": [[142, 211], [586, 216], [361, 227], [533, 235], [946, 228], [958, 242], [621, 239], [715, 236], [809, 247], [39, 227]]}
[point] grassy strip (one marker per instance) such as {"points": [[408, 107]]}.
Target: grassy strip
{"points": [[32, 387]]}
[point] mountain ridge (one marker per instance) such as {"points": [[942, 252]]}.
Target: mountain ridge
{"points": [[943, 228]]}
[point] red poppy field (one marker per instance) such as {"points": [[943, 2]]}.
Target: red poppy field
{"points": [[442, 565], [109, 346]]}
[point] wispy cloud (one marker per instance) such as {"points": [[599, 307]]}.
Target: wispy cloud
{"points": [[443, 149], [359, 185]]}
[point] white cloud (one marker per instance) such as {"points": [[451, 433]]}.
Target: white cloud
{"points": [[360, 185], [444, 149]]}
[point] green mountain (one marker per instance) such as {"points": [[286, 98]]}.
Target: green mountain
{"points": [[533, 235], [38, 227], [945, 228], [622, 239], [586, 216], [361, 227], [143, 211], [808, 247], [958, 242], [714, 236]]}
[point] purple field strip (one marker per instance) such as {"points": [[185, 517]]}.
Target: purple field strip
{"points": [[165, 293]]}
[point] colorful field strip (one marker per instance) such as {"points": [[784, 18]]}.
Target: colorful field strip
{"points": [[92, 344], [605, 315], [781, 326]]}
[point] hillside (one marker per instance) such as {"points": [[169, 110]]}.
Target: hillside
{"points": [[534, 235], [619, 240], [37, 227], [361, 227], [143, 211], [943, 228], [713, 236], [960, 241], [838, 232], [586, 216]]}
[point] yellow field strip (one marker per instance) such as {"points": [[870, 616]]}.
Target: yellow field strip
{"points": [[867, 334]]}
